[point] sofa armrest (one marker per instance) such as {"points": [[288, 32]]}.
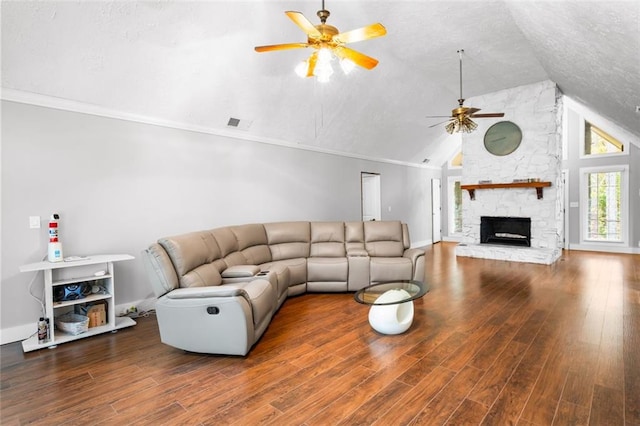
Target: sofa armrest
{"points": [[413, 254]]}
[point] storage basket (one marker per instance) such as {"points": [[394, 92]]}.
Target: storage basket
{"points": [[73, 323]]}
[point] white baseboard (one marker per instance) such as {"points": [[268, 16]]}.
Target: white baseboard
{"points": [[18, 333], [21, 332], [141, 305], [604, 248], [451, 239], [420, 244]]}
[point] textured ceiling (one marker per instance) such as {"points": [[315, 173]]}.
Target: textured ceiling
{"points": [[193, 63]]}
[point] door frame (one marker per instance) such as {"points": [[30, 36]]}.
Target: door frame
{"points": [[372, 191]]}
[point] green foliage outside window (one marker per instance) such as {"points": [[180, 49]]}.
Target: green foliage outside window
{"points": [[457, 214], [604, 221]]}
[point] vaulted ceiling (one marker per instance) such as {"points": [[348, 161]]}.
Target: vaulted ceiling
{"points": [[193, 64]]}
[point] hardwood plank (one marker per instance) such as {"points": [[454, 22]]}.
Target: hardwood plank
{"points": [[497, 376], [607, 406], [543, 402], [421, 395], [443, 405], [468, 413], [571, 414], [632, 365]]}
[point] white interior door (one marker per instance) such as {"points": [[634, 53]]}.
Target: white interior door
{"points": [[565, 208], [436, 210], [371, 206]]}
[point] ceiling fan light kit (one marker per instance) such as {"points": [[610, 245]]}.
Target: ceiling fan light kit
{"points": [[329, 43], [460, 119]]}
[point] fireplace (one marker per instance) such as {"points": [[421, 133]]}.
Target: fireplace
{"points": [[513, 231]]}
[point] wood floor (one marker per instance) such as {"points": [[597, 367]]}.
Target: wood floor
{"points": [[492, 343]]}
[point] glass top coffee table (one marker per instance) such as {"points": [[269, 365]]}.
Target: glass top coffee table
{"points": [[391, 304]]}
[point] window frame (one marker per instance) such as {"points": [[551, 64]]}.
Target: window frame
{"points": [[624, 204]]}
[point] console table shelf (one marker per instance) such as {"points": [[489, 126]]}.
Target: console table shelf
{"points": [[537, 185], [98, 268]]}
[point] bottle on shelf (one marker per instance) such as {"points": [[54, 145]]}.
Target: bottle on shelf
{"points": [[55, 247], [43, 330]]}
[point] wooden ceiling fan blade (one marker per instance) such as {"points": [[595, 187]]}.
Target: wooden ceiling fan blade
{"points": [[489, 114], [358, 58], [364, 33], [285, 46], [438, 124], [472, 110], [301, 21]]}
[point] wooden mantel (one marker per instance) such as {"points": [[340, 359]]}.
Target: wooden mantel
{"points": [[537, 185]]}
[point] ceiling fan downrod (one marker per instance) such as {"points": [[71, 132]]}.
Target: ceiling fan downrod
{"points": [[461, 99], [323, 14]]}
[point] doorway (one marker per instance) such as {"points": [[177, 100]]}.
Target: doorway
{"points": [[371, 206], [436, 210]]}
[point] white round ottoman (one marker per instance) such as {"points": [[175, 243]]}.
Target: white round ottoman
{"points": [[395, 318]]}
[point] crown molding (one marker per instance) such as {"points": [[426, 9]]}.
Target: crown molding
{"points": [[46, 101]]}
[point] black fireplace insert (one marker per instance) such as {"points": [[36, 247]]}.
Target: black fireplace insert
{"points": [[512, 231]]}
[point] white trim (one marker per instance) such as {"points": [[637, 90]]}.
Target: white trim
{"points": [[420, 244], [18, 333], [604, 249], [624, 192], [565, 131], [452, 238], [141, 305], [566, 213], [12, 95]]}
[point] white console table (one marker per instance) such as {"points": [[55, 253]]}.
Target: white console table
{"points": [[70, 272]]}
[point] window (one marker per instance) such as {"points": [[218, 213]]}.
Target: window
{"points": [[604, 203], [456, 161], [455, 205], [598, 142]]}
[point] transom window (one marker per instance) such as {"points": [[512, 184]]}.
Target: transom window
{"points": [[598, 142]]}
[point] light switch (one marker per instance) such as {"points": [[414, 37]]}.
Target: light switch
{"points": [[34, 222], [574, 204]]}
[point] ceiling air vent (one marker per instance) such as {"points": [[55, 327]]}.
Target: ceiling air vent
{"points": [[238, 123]]}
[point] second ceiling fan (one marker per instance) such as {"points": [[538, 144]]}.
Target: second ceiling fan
{"points": [[327, 40], [460, 118]]}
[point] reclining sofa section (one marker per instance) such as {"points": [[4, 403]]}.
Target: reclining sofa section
{"points": [[218, 289]]}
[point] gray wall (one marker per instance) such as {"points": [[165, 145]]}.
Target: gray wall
{"points": [[120, 185]]}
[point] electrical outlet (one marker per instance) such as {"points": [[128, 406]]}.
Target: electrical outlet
{"points": [[34, 222], [130, 311]]}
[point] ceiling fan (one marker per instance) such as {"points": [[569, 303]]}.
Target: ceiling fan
{"points": [[460, 118], [327, 40]]}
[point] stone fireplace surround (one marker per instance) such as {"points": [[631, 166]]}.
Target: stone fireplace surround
{"points": [[536, 109]]}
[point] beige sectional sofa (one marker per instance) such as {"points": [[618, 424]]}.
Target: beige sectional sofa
{"points": [[218, 289]]}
